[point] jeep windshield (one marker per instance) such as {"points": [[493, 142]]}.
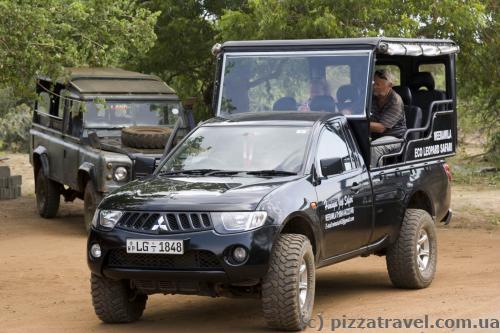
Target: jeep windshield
{"points": [[117, 114], [332, 81], [255, 150]]}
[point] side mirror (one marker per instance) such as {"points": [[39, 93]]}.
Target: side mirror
{"points": [[143, 166], [188, 103], [94, 140], [331, 166]]}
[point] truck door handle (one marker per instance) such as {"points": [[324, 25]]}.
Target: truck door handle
{"points": [[355, 187]]}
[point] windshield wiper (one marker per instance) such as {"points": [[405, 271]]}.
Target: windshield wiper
{"points": [[187, 172], [271, 173], [223, 173]]}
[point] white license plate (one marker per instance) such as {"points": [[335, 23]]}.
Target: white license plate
{"points": [[155, 246]]}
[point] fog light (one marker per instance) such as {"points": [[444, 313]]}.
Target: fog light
{"points": [[95, 251], [239, 254]]}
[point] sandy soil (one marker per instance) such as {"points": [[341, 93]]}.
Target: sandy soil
{"points": [[44, 280]]}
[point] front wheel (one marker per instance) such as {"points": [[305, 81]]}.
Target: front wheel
{"points": [[91, 199], [289, 285], [114, 301], [412, 259], [47, 195]]}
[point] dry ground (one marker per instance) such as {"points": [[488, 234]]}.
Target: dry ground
{"points": [[44, 280]]}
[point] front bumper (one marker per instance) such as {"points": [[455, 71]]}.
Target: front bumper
{"points": [[257, 242]]}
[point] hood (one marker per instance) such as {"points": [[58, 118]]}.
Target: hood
{"points": [[116, 142], [193, 193]]}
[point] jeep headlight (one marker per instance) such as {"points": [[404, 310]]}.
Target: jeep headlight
{"points": [[121, 173], [106, 219], [230, 222]]}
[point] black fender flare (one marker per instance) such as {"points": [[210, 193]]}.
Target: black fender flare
{"points": [[41, 153], [313, 227], [88, 169], [427, 204]]}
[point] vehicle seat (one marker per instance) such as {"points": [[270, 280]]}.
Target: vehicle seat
{"points": [[413, 113], [322, 103], [285, 104], [424, 98], [348, 99]]}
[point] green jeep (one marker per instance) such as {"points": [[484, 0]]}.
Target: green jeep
{"points": [[98, 128]]}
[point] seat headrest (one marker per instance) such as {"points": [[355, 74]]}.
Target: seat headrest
{"points": [[405, 94], [347, 93], [322, 103], [285, 104], [422, 79]]}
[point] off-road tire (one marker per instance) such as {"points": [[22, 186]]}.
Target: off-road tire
{"points": [[114, 301], [48, 195], [91, 199], [149, 137], [401, 257], [280, 289]]}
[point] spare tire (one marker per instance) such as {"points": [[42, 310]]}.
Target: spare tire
{"points": [[152, 137]]}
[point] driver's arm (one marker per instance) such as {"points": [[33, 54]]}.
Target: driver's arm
{"points": [[377, 127]]}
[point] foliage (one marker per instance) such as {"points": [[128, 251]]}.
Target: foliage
{"points": [[15, 127], [40, 37], [181, 56]]}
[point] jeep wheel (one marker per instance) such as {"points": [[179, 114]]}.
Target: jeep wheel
{"points": [[152, 137], [288, 287], [48, 195], [91, 199], [114, 301], [412, 259]]}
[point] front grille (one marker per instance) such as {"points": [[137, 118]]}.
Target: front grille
{"points": [[191, 260], [164, 223]]}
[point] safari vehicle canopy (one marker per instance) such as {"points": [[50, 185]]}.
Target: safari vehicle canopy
{"points": [[280, 75]]}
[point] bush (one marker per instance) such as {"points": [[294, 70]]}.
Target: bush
{"points": [[14, 128]]}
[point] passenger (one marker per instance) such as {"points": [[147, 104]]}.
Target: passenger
{"points": [[318, 87], [387, 121]]}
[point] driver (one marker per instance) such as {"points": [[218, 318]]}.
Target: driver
{"points": [[387, 122]]}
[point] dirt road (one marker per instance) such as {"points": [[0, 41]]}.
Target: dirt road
{"points": [[44, 282]]}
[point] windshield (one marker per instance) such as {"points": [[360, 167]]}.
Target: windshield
{"points": [[333, 81], [242, 149], [130, 113]]}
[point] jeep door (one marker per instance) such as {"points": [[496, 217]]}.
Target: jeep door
{"points": [[344, 193], [71, 140]]}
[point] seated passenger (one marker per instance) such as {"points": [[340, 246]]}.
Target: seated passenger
{"points": [[387, 121], [317, 88]]}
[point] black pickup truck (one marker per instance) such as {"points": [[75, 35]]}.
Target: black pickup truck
{"points": [[254, 200]]}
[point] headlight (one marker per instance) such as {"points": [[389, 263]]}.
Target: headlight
{"points": [[230, 222], [121, 174], [95, 219], [108, 218]]}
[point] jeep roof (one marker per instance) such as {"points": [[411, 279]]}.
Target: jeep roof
{"points": [[103, 80]]}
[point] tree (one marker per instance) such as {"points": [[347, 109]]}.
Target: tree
{"points": [[181, 56], [42, 37]]}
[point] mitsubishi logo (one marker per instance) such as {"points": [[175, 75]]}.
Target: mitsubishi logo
{"points": [[160, 224]]}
